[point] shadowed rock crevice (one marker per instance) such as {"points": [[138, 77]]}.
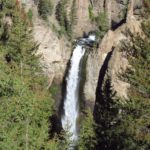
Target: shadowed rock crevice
{"points": [[102, 73], [63, 91], [115, 25], [55, 119]]}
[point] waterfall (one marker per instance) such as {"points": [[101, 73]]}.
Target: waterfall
{"points": [[71, 108]]}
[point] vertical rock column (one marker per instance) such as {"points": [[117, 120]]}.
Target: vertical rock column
{"points": [[130, 10], [108, 4]]}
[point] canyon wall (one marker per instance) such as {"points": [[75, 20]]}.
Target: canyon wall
{"points": [[109, 53], [55, 52]]}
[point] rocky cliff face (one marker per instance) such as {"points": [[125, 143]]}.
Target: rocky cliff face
{"points": [[122, 15], [55, 53], [109, 56]]}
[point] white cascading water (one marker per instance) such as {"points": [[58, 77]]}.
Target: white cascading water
{"points": [[71, 108]]}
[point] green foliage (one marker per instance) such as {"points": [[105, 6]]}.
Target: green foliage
{"points": [[8, 4], [60, 142], [102, 24], [25, 103], [137, 109], [87, 137], [107, 105], [59, 31], [54, 89], [91, 15], [146, 5], [73, 14], [61, 14], [101, 21], [45, 8], [125, 126], [107, 116], [140, 51], [66, 21], [30, 14]]}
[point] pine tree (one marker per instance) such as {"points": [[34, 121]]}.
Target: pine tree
{"points": [[45, 8], [25, 103], [106, 116], [87, 138], [137, 112], [66, 21], [73, 16], [61, 14]]}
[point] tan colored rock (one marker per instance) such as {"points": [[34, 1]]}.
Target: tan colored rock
{"points": [[96, 60], [7, 20], [83, 20], [117, 63], [55, 53]]}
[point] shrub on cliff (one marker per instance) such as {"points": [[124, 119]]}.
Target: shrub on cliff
{"points": [[136, 121], [66, 21], [45, 8], [132, 130], [87, 140], [101, 21], [106, 115]]}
